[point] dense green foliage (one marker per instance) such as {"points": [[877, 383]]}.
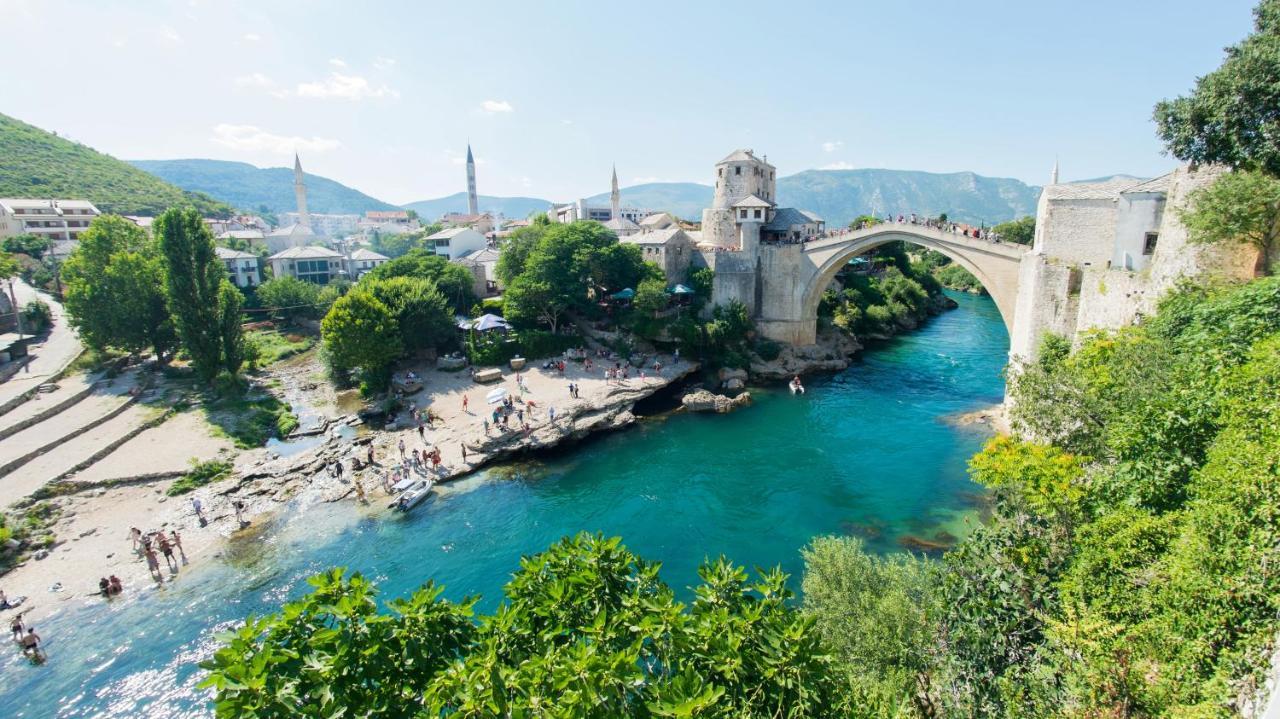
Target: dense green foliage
{"points": [[33, 246], [244, 185], [361, 333], [290, 298], [1021, 231], [557, 268], [420, 311], [587, 630], [204, 303], [114, 289], [880, 305], [41, 164], [1126, 569], [1233, 115], [1241, 207], [452, 280], [724, 341], [956, 277], [36, 316], [495, 348]]}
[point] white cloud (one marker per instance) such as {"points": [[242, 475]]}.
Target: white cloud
{"points": [[338, 62], [254, 139], [526, 182], [842, 165], [492, 106], [255, 80], [566, 122], [251, 37], [344, 87], [832, 145], [383, 63]]}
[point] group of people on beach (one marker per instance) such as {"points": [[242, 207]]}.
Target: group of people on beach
{"points": [[146, 545]]}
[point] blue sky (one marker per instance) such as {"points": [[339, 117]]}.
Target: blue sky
{"points": [[384, 96]]}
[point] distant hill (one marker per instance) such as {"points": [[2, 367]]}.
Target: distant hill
{"points": [[838, 196], [516, 207], [249, 187], [40, 164], [683, 199]]}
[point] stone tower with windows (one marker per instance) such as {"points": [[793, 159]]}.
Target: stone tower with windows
{"points": [[745, 200]]}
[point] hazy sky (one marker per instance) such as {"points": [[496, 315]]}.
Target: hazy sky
{"points": [[383, 96]]}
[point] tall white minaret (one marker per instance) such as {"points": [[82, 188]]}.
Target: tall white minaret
{"points": [[473, 202], [1053, 179], [615, 198], [300, 193]]}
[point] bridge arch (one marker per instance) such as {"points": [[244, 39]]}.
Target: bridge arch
{"points": [[994, 264]]}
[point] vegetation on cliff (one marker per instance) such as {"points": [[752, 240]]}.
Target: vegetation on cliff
{"points": [[41, 164]]}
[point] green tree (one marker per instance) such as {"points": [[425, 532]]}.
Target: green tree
{"points": [[453, 280], [651, 297], [421, 312], [233, 347], [530, 301], [1238, 207], [1233, 114], [8, 266], [701, 282], [1021, 231], [27, 244], [113, 286], [360, 332], [881, 617], [587, 629], [194, 277], [290, 297], [516, 249]]}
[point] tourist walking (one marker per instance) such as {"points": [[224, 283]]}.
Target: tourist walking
{"points": [[176, 541], [465, 402], [371, 462], [153, 564], [136, 535], [238, 505], [198, 506], [402, 449], [16, 627], [464, 452]]}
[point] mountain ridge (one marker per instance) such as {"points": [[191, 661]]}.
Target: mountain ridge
{"points": [[251, 187], [42, 164]]}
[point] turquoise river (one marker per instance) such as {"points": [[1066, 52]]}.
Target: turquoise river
{"points": [[871, 451]]}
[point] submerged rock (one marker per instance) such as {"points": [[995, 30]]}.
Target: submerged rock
{"points": [[704, 401]]}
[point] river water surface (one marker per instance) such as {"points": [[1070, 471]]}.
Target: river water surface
{"points": [[869, 451]]}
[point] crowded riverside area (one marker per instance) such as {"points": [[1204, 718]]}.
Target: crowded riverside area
{"points": [[876, 451]]}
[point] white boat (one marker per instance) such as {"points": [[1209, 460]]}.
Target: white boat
{"points": [[414, 495], [796, 387]]}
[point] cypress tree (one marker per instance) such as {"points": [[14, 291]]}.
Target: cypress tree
{"points": [[193, 278]]}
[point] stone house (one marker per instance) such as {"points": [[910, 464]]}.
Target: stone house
{"points": [[242, 267], [671, 249]]}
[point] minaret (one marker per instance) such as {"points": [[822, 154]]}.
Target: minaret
{"points": [[473, 202], [300, 193], [615, 198], [1053, 179]]}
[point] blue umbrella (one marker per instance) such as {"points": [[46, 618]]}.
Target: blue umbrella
{"points": [[625, 294], [681, 290]]}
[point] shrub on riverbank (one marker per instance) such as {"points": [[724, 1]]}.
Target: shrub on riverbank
{"points": [[587, 629], [1126, 567], [201, 473]]}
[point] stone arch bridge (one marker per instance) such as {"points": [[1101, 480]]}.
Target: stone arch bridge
{"points": [[792, 278]]}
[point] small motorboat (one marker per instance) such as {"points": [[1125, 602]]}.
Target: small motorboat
{"points": [[796, 387], [414, 495]]}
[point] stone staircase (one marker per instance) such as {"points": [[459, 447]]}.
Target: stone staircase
{"points": [[55, 434]]}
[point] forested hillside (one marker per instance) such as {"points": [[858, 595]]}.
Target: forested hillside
{"points": [[40, 164]]}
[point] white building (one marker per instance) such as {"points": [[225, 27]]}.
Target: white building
{"points": [[457, 241], [364, 260], [54, 220], [242, 267], [319, 265], [327, 225]]}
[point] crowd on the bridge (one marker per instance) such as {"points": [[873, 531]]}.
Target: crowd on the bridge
{"points": [[980, 233]]}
